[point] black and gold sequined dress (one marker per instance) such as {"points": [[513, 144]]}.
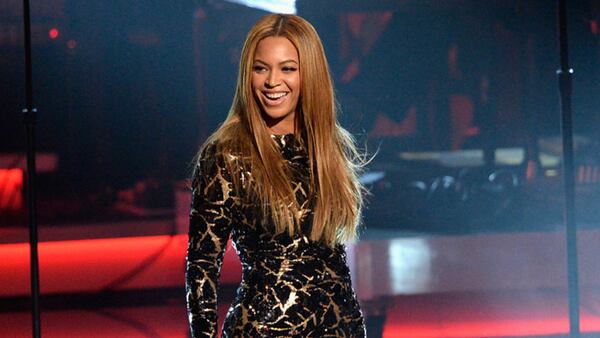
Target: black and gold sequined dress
{"points": [[291, 286]]}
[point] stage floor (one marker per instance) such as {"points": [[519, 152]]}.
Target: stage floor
{"points": [[131, 285], [515, 314]]}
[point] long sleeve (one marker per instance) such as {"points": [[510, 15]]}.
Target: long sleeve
{"points": [[211, 219]]}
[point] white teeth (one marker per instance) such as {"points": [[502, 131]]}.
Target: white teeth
{"points": [[275, 96]]}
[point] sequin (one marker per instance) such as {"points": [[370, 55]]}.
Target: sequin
{"points": [[291, 286]]}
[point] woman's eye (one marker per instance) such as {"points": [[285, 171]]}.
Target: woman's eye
{"points": [[259, 68], [289, 69]]}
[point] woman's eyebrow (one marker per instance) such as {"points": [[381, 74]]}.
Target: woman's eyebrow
{"points": [[282, 62]]}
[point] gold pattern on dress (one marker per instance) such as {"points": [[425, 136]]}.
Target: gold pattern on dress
{"points": [[291, 286]]}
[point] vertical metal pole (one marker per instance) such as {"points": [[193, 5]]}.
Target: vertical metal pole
{"points": [[565, 86], [29, 115]]}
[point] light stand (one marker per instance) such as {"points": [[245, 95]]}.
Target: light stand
{"points": [[565, 75], [29, 115]]}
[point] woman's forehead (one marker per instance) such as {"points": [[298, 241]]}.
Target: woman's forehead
{"points": [[276, 48]]}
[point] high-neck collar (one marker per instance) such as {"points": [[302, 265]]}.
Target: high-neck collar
{"points": [[284, 139], [291, 148]]}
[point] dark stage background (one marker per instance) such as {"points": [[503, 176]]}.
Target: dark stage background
{"points": [[458, 98]]}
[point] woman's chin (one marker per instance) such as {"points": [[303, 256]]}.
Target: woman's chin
{"points": [[277, 116]]}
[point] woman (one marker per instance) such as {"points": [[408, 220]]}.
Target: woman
{"points": [[279, 177]]}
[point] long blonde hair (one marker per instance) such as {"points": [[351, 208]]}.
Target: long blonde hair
{"points": [[333, 157]]}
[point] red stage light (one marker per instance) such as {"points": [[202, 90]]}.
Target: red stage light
{"points": [[594, 27], [11, 189], [100, 264], [53, 33]]}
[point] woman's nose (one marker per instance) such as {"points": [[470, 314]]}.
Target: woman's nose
{"points": [[272, 79]]}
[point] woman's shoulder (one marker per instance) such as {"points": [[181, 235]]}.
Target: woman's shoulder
{"points": [[221, 154], [224, 149], [229, 139], [209, 150], [210, 157]]}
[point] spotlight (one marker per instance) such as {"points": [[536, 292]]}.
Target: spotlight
{"points": [[273, 6], [53, 33]]}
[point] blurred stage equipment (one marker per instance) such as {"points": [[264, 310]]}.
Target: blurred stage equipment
{"points": [[565, 74], [29, 114], [458, 192], [442, 196]]}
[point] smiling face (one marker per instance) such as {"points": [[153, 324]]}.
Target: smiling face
{"points": [[276, 82]]}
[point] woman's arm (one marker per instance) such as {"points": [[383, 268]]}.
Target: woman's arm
{"points": [[210, 225]]}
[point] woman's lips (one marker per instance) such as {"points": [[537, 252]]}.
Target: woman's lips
{"points": [[275, 98]]}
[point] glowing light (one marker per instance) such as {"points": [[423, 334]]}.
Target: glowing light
{"points": [[53, 33], [11, 187], [594, 27], [372, 177], [410, 265], [71, 44], [151, 262], [273, 6]]}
